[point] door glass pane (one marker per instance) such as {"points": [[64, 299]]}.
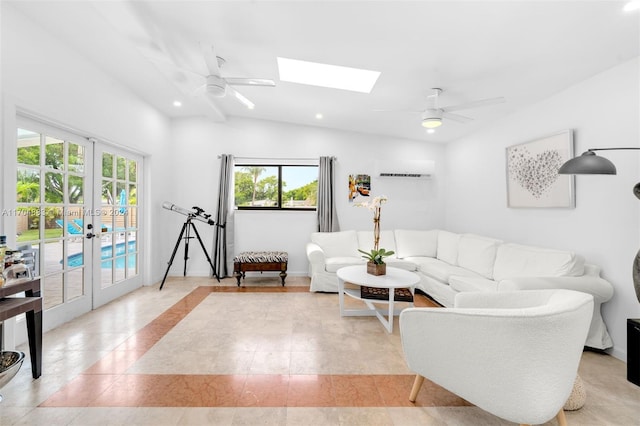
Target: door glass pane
{"points": [[54, 153], [133, 197], [28, 185], [76, 256], [130, 219], [53, 257], [133, 171], [106, 273], [28, 147], [121, 168], [107, 192], [75, 284], [76, 157], [52, 289], [53, 222], [53, 187], [119, 272], [76, 190], [27, 223], [106, 219], [121, 194], [107, 165], [30, 255]]}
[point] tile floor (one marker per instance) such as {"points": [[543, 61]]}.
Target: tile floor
{"points": [[197, 354]]}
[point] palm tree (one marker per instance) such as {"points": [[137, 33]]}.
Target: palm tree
{"points": [[255, 172]]}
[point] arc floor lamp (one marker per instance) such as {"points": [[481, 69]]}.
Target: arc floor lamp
{"points": [[591, 164]]}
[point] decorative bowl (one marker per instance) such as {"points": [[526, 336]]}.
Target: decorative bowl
{"points": [[10, 363]]}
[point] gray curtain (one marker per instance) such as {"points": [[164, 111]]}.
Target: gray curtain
{"points": [[223, 234], [327, 216]]}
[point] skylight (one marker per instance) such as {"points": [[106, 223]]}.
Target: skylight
{"points": [[325, 75]]}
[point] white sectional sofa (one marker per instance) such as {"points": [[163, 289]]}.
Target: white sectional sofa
{"points": [[448, 263]]}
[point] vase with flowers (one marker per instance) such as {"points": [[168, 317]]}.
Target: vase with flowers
{"points": [[375, 257]]}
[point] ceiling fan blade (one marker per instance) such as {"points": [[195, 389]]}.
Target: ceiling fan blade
{"points": [[397, 110], [184, 80], [246, 102], [211, 59], [475, 104], [215, 113], [250, 81], [456, 117]]}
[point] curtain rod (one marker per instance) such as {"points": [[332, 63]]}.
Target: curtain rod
{"points": [[277, 158]]}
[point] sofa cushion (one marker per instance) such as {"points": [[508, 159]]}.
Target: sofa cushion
{"points": [[411, 243], [478, 254], [332, 264], [448, 247], [442, 271], [514, 260], [337, 244], [365, 240], [400, 264], [461, 283]]}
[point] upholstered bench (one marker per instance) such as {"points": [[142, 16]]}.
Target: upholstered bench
{"points": [[260, 261]]}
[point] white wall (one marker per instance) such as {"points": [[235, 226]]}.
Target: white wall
{"points": [[42, 75], [413, 203], [604, 227]]}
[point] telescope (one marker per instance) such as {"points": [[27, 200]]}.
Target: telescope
{"points": [[198, 214]]}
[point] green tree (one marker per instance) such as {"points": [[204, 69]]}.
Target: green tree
{"points": [[255, 172], [267, 189], [307, 193], [243, 188]]}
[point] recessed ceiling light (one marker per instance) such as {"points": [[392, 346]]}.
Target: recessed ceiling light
{"points": [[431, 131], [177, 103], [325, 75], [632, 5], [319, 116]]}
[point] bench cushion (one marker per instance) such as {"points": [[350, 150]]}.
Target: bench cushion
{"points": [[261, 257]]}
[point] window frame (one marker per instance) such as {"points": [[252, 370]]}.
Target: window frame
{"points": [[280, 206]]}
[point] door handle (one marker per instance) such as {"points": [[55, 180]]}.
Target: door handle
{"points": [[90, 234]]}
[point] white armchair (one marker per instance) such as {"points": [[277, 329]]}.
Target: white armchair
{"points": [[512, 354]]}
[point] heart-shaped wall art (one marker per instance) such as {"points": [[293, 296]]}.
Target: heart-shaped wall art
{"points": [[534, 173]]}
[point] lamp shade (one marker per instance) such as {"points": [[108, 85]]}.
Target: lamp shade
{"points": [[588, 164]]}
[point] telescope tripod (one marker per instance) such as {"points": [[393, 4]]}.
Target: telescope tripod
{"points": [[186, 229]]}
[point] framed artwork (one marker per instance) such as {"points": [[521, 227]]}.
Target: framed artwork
{"points": [[532, 173], [359, 186]]}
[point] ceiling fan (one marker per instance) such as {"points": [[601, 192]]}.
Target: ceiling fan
{"points": [[171, 52], [433, 114], [217, 86]]}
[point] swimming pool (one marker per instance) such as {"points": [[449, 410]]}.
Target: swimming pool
{"points": [[106, 253]]}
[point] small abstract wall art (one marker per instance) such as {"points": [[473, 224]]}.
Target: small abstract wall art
{"points": [[532, 173], [359, 186]]}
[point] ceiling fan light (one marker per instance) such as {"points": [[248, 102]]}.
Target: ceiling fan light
{"points": [[216, 90], [432, 123], [216, 86]]}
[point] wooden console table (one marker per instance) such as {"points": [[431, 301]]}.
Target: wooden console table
{"points": [[260, 261], [31, 305]]}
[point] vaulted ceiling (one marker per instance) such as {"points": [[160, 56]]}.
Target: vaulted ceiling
{"points": [[523, 51]]}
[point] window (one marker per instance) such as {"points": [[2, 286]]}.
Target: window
{"points": [[275, 187]]}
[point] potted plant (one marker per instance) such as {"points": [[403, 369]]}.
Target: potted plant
{"points": [[375, 260]]}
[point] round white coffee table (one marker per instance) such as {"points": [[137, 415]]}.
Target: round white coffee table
{"points": [[395, 278]]}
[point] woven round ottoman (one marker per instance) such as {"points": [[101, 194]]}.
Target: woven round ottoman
{"points": [[578, 396]]}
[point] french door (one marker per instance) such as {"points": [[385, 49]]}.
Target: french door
{"points": [[117, 185], [76, 218]]}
